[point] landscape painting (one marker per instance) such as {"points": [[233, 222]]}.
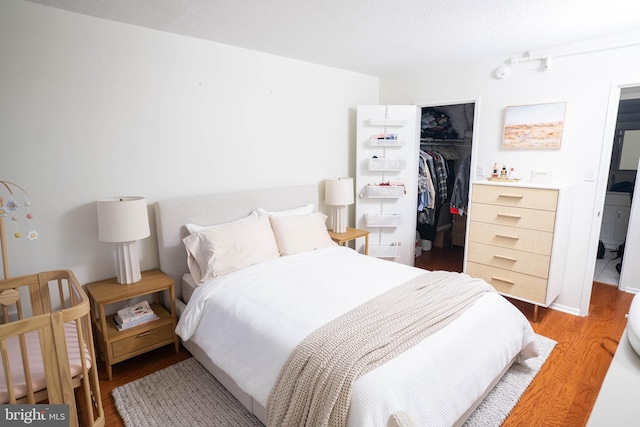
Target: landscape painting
{"points": [[534, 126]]}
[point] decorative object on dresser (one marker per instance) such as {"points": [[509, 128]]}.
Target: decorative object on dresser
{"points": [[123, 220], [121, 344], [518, 237], [338, 192]]}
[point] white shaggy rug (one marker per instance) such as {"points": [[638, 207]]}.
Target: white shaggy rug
{"points": [[186, 394]]}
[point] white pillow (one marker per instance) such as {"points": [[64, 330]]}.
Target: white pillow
{"points": [[224, 248], [302, 210], [194, 228], [300, 233]]}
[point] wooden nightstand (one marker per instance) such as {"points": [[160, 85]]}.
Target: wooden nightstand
{"points": [[351, 234], [116, 345]]}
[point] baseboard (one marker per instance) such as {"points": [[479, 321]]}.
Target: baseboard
{"points": [[565, 309], [632, 290]]}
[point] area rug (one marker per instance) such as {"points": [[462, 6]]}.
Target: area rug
{"points": [[186, 394]]}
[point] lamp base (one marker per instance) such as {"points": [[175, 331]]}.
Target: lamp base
{"points": [[339, 219], [127, 263]]}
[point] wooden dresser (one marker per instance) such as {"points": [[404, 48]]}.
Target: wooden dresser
{"points": [[518, 238]]}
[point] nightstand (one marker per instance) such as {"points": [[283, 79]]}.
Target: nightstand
{"points": [[116, 345], [351, 234]]}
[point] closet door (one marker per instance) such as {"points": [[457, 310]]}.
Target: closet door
{"points": [[387, 146]]}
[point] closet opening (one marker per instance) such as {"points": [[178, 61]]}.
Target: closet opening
{"points": [[446, 139]]}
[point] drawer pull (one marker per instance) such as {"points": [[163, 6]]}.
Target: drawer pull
{"points": [[509, 215], [144, 334], [511, 282], [508, 258], [506, 236], [511, 196]]}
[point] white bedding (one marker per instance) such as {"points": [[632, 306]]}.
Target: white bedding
{"points": [[249, 321]]}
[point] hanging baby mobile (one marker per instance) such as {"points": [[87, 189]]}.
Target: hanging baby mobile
{"points": [[11, 208]]}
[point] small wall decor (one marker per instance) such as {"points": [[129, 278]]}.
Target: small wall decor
{"points": [[534, 126], [11, 207]]}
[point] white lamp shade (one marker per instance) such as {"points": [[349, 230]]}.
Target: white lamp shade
{"points": [[338, 191], [122, 219]]}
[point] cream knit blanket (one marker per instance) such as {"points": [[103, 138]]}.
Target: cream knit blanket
{"points": [[314, 386]]}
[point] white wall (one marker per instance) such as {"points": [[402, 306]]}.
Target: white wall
{"points": [[91, 108], [585, 82]]}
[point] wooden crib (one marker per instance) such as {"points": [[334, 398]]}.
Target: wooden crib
{"points": [[47, 353]]}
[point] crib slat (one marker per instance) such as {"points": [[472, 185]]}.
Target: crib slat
{"points": [[61, 294], [40, 296], [27, 371], [64, 373], [7, 370]]}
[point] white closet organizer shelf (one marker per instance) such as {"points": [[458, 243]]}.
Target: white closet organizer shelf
{"points": [[382, 220], [385, 191], [380, 164], [386, 142], [386, 122], [384, 251]]}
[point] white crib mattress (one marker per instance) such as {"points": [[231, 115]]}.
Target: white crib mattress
{"points": [[36, 367]]}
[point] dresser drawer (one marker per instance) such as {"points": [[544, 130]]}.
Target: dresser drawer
{"points": [[531, 198], [509, 259], [514, 217], [136, 343], [511, 283], [538, 242]]}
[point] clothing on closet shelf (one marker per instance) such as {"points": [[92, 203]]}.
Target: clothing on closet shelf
{"points": [[460, 195]]}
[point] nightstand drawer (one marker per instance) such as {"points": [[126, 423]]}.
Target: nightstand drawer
{"points": [[530, 198], [142, 340], [510, 283], [509, 259], [514, 217], [538, 242]]}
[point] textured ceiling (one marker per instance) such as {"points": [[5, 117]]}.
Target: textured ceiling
{"points": [[376, 37]]}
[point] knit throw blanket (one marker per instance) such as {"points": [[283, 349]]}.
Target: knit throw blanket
{"points": [[314, 386]]}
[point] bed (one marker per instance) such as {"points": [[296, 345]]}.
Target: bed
{"points": [[244, 324]]}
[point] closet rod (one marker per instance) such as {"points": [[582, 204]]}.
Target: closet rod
{"points": [[444, 144]]}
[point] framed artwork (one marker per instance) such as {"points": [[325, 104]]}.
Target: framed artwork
{"points": [[534, 126]]}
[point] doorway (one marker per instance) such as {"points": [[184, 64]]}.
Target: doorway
{"points": [[446, 139], [619, 190]]}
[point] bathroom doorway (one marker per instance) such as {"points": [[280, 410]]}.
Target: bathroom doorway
{"points": [[619, 192]]}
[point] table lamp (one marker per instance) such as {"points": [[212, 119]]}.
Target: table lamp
{"points": [[338, 192], [123, 220]]}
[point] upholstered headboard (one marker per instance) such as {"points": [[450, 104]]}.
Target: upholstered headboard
{"points": [[172, 215]]}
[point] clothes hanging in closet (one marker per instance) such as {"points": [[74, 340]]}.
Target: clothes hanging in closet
{"points": [[434, 178], [460, 194]]}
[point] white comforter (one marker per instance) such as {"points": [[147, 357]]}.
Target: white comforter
{"points": [[249, 321]]}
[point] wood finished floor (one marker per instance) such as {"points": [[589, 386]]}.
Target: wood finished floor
{"points": [[562, 394]]}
